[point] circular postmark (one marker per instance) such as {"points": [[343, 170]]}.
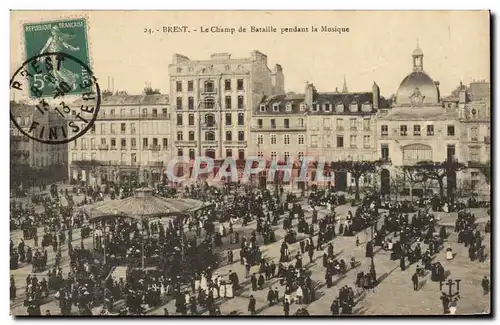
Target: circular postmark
{"points": [[64, 95]]}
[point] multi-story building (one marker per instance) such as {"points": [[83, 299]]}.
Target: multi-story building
{"points": [[279, 128], [421, 126], [475, 117], [212, 101], [341, 126], [130, 140], [27, 154], [330, 126]]}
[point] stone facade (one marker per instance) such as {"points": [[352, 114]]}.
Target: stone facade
{"points": [[131, 140], [212, 101], [25, 151]]}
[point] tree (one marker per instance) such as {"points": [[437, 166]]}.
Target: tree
{"points": [[485, 169], [413, 176], [356, 169], [397, 181], [106, 92], [148, 90], [438, 171]]}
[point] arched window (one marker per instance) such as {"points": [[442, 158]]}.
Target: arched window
{"points": [[209, 120], [209, 86], [229, 136], [210, 136]]}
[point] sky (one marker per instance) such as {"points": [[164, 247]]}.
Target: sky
{"points": [[378, 46]]}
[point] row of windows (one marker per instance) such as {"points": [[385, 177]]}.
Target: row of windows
{"points": [[286, 139], [341, 143], [285, 157], [210, 136], [209, 120], [286, 123], [326, 107], [128, 128], [47, 161], [354, 124], [124, 112], [209, 103], [146, 144], [209, 86], [418, 154], [229, 153], [403, 130]]}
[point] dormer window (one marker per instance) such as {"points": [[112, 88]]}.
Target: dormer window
{"points": [[315, 107], [353, 107], [327, 107], [289, 107], [262, 107], [339, 108], [367, 107], [276, 107], [302, 107]]}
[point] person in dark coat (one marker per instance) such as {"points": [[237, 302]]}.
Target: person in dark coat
{"points": [[369, 249], [485, 283], [253, 279], [334, 307], [286, 307], [302, 247], [414, 279], [402, 263], [261, 281], [251, 305], [270, 297], [311, 254]]}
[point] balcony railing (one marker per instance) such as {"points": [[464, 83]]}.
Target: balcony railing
{"points": [[103, 147], [209, 92], [209, 142], [185, 143], [384, 133], [353, 146], [134, 117], [156, 163], [155, 147], [123, 148], [235, 143], [208, 126], [366, 146], [278, 128]]}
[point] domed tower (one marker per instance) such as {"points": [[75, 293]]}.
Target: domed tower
{"points": [[417, 88]]}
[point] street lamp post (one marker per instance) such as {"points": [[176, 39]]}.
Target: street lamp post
{"points": [[372, 266], [450, 296]]}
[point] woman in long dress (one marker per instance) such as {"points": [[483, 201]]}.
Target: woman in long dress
{"points": [[203, 282]]}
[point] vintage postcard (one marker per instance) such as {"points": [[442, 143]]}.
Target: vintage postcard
{"points": [[250, 163]]}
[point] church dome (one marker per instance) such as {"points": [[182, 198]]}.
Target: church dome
{"points": [[417, 88]]}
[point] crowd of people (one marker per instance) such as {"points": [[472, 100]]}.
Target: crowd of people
{"points": [[166, 261]]}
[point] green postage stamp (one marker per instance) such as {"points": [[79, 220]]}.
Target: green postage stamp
{"points": [[60, 36]]}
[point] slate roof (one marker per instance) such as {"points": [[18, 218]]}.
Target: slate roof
{"points": [[283, 100], [124, 100], [333, 98], [22, 110]]}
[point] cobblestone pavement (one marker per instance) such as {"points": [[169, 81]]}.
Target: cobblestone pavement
{"points": [[393, 296]]}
